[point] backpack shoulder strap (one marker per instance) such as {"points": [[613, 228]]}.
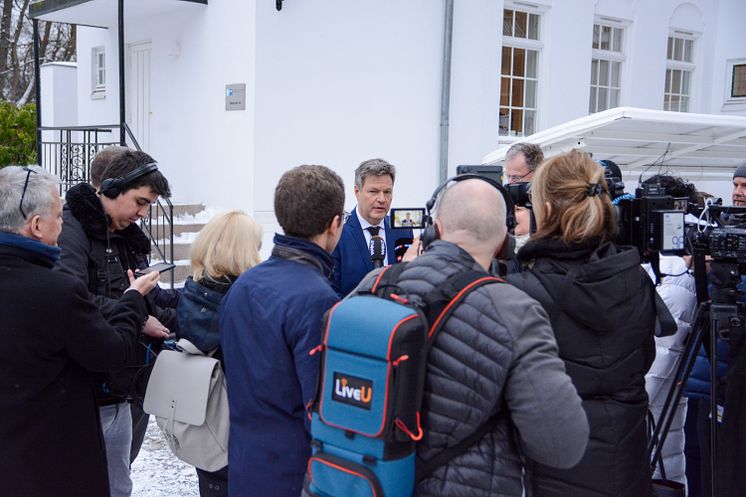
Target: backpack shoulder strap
{"points": [[443, 300], [441, 303], [388, 280]]}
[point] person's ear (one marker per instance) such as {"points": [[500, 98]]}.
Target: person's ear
{"points": [[439, 228], [33, 224]]}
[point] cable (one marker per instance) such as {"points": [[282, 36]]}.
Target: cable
{"points": [[659, 159]]}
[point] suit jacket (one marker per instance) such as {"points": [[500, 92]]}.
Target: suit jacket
{"points": [[352, 256]]}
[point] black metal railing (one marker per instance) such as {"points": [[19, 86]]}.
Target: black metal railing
{"points": [[67, 152]]}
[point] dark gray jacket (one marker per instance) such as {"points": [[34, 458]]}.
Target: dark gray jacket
{"points": [[496, 354]]}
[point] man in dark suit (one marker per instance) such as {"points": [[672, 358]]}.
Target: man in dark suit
{"points": [[357, 249]]}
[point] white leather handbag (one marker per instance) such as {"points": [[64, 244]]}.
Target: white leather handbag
{"points": [[187, 395]]}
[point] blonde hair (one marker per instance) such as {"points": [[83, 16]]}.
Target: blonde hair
{"points": [[578, 211], [227, 245]]}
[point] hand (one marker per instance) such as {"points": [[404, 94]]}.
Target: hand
{"points": [[143, 284], [153, 328], [413, 251]]}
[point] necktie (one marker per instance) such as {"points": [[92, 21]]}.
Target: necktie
{"points": [[377, 247]]}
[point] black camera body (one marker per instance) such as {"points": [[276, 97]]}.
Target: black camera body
{"points": [[652, 222]]}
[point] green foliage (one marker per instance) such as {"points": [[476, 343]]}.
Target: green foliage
{"points": [[17, 134]]}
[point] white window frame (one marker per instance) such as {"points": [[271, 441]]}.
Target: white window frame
{"points": [[680, 65], [526, 44], [611, 56], [729, 67], [98, 88]]}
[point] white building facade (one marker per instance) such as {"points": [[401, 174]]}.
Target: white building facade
{"points": [[336, 82]]}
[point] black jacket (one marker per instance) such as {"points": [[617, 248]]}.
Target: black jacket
{"points": [[604, 330], [494, 356], [53, 338], [100, 259]]}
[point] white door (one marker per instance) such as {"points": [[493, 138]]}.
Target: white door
{"points": [[138, 93]]}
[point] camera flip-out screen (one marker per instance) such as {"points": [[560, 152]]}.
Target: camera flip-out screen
{"points": [[408, 218], [671, 235]]}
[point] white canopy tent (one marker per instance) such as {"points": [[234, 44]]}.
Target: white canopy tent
{"points": [[703, 148]]}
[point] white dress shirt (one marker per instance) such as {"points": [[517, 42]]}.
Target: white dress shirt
{"points": [[364, 224]]}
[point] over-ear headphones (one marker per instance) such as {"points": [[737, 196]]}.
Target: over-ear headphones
{"points": [[112, 187], [430, 232]]}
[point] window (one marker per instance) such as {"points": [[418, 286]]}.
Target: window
{"points": [[738, 81], [519, 73], [606, 66], [98, 72], [679, 68]]}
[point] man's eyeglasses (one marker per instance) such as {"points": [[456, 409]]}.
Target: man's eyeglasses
{"points": [[25, 186], [516, 179]]}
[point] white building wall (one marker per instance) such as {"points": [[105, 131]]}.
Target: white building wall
{"points": [[335, 82], [59, 94]]}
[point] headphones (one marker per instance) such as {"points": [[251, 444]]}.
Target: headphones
{"points": [[430, 232], [112, 187]]}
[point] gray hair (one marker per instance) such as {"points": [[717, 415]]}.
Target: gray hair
{"points": [[373, 167], [533, 154], [37, 200]]}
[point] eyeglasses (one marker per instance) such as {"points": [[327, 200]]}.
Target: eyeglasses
{"points": [[25, 186], [516, 179]]}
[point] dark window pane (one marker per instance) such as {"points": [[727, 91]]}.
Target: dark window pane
{"points": [[688, 44], [505, 91], [507, 22], [675, 81], [507, 52], [519, 62], [678, 49], [605, 38], [669, 50], [603, 99], [596, 36], [739, 81], [517, 97], [616, 42], [594, 100], [521, 24], [516, 121]]}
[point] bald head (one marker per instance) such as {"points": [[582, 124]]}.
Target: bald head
{"points": [[472, 210]]}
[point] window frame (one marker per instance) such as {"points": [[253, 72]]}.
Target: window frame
{"points": [[98, 89], [513, 43], [730, 66], [683, 66], [611, 57]]}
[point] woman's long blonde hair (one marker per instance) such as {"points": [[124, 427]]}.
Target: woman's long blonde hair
{"points": [[226, 246], [571, 201]]}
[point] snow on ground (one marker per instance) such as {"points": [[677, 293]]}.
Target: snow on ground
{"points": [[158, 473]]}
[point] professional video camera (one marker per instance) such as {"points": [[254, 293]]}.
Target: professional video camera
{"points": [[656, 224]]}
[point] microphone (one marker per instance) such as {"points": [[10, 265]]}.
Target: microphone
{"points": [[377, 250], [400, 247]]}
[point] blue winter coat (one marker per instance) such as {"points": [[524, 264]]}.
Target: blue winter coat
{"points": [[269, 321]]}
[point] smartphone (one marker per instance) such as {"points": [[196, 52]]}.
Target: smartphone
{"points": [[160, 267], [408, 218]]}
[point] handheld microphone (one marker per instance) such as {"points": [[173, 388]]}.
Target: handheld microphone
{"points": [[401, 246], [377, 250]]}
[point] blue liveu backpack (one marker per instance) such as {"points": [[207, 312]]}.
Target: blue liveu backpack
{"points": [[365, 417]]}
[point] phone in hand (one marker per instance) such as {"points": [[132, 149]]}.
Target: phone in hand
{"points": [[160, 267]]}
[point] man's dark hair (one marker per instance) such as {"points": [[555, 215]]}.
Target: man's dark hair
{"points": [[675, 186], [128, 161], [102, 160], [306, 200]]}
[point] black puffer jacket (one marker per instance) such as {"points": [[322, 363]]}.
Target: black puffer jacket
{"points": [[495, 354], [604, 331]]}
